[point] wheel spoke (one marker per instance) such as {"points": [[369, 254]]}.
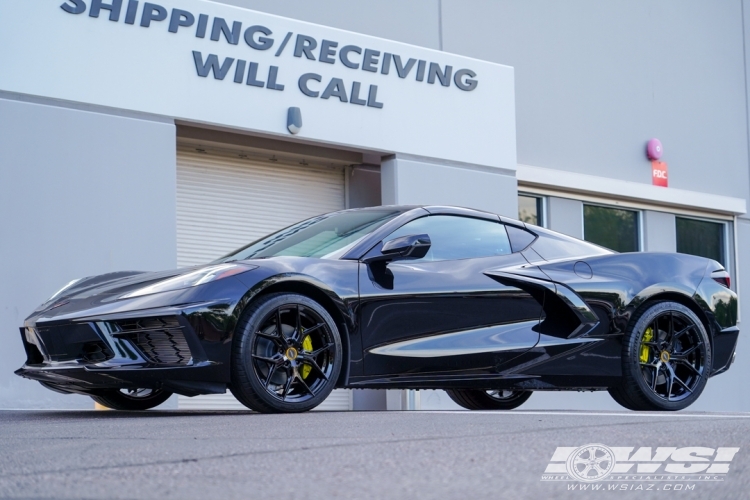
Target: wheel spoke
{"points": [[271, 373], [308, 360], [267, 335], [270, 361], [280, 329], [308, 331], [657, 341], [683, 384], [677, 379], [654, 373], [670, 381], [317, 352], [654, 346], [685, 354], [304, 384], [271, 336], [685, 362], [297, 334], [670, 332], [287, 386], [683, 331]]}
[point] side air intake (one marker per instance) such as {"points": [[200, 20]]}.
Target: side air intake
{"points": [[161, 340], [566, 314]]}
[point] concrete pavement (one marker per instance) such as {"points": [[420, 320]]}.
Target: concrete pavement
{"points": [[370, 455]]}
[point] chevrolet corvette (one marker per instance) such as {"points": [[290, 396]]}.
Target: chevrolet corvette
{"points": [[488, 308]]}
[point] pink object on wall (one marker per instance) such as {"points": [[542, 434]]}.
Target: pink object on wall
{"points": [[654, 149]]}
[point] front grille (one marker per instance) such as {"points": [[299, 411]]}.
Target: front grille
{"points": [[66, 342], [161, 340], [96, 352]]}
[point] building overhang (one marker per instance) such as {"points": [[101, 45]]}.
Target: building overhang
{"points": [[570, 184]]}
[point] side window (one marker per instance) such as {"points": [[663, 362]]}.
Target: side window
{"points": [[454, 237]]}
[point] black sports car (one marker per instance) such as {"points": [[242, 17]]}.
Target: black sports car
{"points": [[488, 308]]}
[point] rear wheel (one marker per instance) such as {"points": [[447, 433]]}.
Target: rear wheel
{"points": [[666, 359], [132, 399], [496, 399], [286, 355]]}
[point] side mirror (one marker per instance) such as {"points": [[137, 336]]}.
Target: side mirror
{"points": [[414, 246]]}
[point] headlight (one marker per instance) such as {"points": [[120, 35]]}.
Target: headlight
{"points": [[195, 278], [64, 288]]}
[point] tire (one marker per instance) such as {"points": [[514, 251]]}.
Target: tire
{"points": [[472, 399], [132, 400], [666, 359], [619, 398], [289, 371]]}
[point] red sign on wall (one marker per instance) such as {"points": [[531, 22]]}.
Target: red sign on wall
{"points": [[659, 173]]}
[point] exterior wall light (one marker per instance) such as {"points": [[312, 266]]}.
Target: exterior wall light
{"points": [[294, 120]]}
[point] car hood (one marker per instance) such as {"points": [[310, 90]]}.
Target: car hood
{"points": [[111, 284], [106, 294]]}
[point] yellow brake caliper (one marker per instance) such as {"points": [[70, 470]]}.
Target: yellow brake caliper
{"points": [[306, 346], [648, 336]]}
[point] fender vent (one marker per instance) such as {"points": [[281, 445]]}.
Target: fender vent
{"points": [[161, 340]]}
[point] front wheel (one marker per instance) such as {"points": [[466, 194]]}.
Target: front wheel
{"points": [[286, 355], [132, 399], [496, 399], [666, 359]]}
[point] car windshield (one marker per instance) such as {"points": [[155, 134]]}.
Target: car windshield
{"points": [[325, 236]]}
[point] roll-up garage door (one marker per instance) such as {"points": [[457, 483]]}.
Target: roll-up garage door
{"points": [[227, 199]]}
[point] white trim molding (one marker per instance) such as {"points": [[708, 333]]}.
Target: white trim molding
{"points": [[574, 184]]}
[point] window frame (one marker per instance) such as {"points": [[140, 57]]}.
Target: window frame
{"points": [[638, 220], [724, 234], [388, 237], [541, 207]]}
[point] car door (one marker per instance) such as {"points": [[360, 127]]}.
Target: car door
{"points": [[440, 313]]}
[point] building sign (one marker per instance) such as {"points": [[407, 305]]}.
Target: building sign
{"points": [[261, 38], [211, 63], [659, 173]]}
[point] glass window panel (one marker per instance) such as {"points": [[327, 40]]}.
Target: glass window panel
{"points": [[316, 237], [530, 209], [455, 237], [612, 228], [700, 237]]}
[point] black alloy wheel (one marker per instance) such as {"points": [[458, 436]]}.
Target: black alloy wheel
{"points": [[132, 399], [286, 356], [666, 359], [495, 399]]}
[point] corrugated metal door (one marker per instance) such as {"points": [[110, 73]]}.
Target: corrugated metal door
{"points": [[227, 199]]}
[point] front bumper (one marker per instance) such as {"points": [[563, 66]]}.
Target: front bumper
{"points": [[203, 378], [171, 348]]}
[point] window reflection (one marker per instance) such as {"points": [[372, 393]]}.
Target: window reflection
{"points": [[612, 228], [700, 237], [530, 209]]}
